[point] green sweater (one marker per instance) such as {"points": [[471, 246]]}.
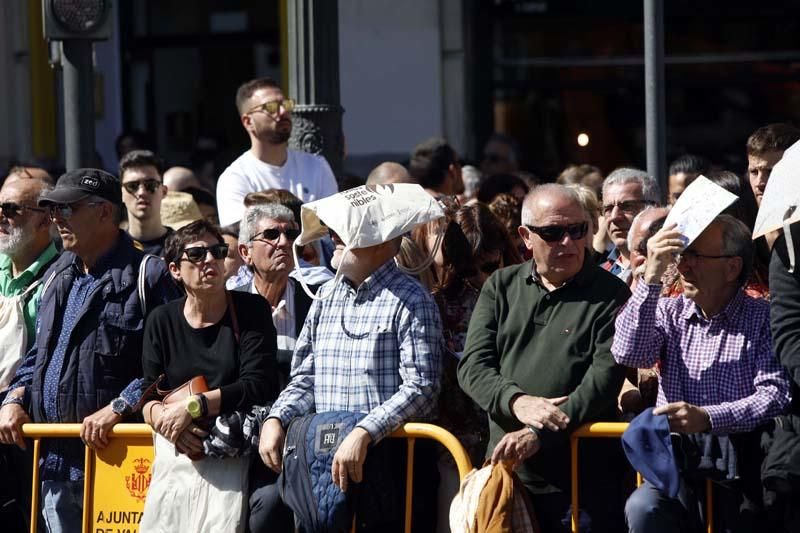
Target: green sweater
{"points": [[11, 286], [523, 338]]}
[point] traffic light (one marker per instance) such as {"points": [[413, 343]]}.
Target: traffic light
{"points": [[77, 19]]}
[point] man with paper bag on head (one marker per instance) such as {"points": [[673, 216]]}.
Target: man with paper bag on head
{"points": [[371, 340], [719, 379]]}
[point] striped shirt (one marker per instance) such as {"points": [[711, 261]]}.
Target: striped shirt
{"points": [[724, 364], [374, 349]]}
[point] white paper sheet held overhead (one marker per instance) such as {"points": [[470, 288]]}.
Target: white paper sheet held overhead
{"points": [[697, 207], [781, 195]]}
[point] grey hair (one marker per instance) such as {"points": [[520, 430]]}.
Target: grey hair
{"points": [[256, 213], [528, 216], [650, 190], [737, 240], [116, 209], [471, 177]]}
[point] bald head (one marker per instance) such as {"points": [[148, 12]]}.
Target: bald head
{"points": [[644, 225], [548, 197], [180, 179], [30, 173], [389, 172]]}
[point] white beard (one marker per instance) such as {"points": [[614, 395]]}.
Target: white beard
{"points": [[15, 241]]}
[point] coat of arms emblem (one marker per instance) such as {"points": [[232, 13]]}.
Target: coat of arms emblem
{"points": [[138, 482]]}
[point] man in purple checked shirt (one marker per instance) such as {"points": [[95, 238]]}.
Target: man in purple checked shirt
{"points": [[718, 370]]}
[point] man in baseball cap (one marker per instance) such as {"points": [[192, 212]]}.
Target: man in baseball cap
{"points": [[80, 184], [85, 365]]}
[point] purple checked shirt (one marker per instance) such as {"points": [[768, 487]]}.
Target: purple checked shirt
{"points": [[724, 364]]}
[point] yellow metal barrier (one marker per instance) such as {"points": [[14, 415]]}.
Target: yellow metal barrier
{"points": [[115, 458], [615, 430]]}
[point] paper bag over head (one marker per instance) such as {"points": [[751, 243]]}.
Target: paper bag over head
{"points": [[779, 205], [697, 207], [368, 215]]}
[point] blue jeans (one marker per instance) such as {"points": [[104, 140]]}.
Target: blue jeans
{"points": [[62, 506]]}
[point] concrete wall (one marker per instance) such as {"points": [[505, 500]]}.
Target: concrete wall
{"points": [[389, 57]]}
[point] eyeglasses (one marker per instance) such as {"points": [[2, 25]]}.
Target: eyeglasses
{"points": [[690, 257], [489, 266], [272, 107], [67, 210], [629, 207], [197, 254], [150, 185], [273, 234], [556, 233], [12, 210]]}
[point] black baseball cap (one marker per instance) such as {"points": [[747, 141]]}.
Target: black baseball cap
{"points": [[81, 183]]}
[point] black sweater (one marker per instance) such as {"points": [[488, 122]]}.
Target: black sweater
{"points": [[245, 372]]}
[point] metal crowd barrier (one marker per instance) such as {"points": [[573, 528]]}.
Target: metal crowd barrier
{"points": [[615, 430], [116, 458]]}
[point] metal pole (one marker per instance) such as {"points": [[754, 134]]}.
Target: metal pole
{"points": [[655, 114], [314, 79], [78, 75]]}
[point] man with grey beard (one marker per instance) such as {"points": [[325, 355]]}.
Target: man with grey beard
{"points": [[26, 250]]}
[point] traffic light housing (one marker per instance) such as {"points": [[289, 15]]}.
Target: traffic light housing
{"points": [[77, 19]]}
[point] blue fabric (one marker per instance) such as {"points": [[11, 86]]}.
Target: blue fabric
{"points": [[306, 483], [648, 446], [88, 344], [374, 349], [64, 460], [62, 506]]}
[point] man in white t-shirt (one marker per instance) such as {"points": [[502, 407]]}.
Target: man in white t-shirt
{"points": [[269, 164]]}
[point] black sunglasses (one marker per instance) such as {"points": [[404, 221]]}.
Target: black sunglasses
{"points": [[556, 233], [150, 185], [273, 234], [11, 210], [196, 254]]}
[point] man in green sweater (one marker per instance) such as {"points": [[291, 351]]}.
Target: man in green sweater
{"points": [[538, 357]]}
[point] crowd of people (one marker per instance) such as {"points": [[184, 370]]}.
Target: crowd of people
{"points": [[511, 311]]}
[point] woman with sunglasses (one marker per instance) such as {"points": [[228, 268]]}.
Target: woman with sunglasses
{"points": [[475, 244], [228, 338]]}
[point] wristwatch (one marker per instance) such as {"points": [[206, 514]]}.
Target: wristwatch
{"points": [[194, 406], [120, 406]]}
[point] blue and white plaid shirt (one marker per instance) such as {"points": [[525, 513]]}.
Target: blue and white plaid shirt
{"points": [[374, 349]]}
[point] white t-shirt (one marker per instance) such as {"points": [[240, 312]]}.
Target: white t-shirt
{"points": [[307, 176]]}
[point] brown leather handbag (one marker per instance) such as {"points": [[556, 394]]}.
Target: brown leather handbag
{"points": [[196, 385]]}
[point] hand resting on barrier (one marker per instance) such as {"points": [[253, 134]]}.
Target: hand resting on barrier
{"points": [[12, 416], [96, 427]]}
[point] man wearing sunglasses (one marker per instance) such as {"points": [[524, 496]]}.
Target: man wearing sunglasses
{"points": [[266, 236], [538, 359], [140, 172], [266, 115], [719, 373], [85, 363], [626, 191], [26, 252]]}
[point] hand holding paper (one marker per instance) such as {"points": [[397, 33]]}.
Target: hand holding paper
{"points": [[697, 207]]}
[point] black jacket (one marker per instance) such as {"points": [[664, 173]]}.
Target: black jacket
{"points": [[104, 351], [785, 310]]}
